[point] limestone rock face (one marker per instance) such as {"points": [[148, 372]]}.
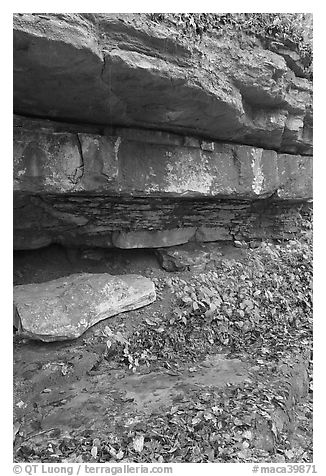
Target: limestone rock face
{"points": [[66, 307], [206, 234], [152, 239], [124, 69], [151, 163]]}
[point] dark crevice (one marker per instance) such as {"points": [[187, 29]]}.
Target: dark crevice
{"points": [[126, 198], [80, 150], [237, 163]]}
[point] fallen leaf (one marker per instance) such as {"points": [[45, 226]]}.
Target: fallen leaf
{"points": [[247, 434], [16, 429], [119, 455], [289, 454], [138, 443], [94, 451], [108, 344]]}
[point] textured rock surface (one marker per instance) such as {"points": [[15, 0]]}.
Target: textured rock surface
{"points": [[133, 161], [66, 307], [123, 69], [188, 258], [90, 221], [152, 239], [216, 233]]}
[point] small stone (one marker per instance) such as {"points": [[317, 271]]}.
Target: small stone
{"points": [[197, 268], [183, 258], [209, 146], [254, 244]]}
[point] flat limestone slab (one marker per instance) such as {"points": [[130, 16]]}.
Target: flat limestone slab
{"points": [[66, 307], [152, 239]]}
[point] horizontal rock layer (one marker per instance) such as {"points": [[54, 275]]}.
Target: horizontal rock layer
{"points": [[66, 307], [134, 188], [122, 69], [75, 220], [131, 161]]}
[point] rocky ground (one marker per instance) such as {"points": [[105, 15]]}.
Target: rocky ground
{"points": [[217, 369]]}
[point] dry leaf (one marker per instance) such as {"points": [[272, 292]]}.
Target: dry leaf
{"points": [[119, 455], [16, 429], [247, 434], [138, 443], [94, 451]]}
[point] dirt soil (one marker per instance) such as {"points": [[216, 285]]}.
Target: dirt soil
{"points": [[79, 401]]}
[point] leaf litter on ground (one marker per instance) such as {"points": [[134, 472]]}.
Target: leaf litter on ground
{"points": [[259, 309]]}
